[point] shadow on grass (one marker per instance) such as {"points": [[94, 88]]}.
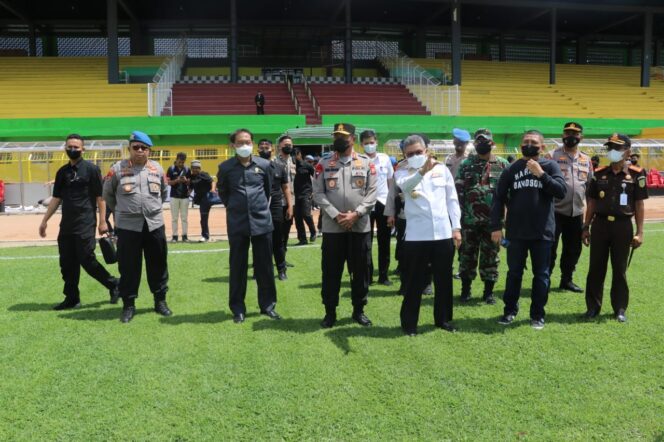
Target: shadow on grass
{"points": [[201, 318], [318, 284], [301, 326], [36, 307], [217, 279], [341, 336], [101, 315]]}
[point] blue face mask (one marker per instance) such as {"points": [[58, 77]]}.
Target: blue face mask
{"points": [[615, 156]]}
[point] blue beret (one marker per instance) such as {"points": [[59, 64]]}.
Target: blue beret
{"points": [[460, 134], [140, 137]]}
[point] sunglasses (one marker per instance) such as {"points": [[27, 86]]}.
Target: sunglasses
{"points": [[140, 147]]}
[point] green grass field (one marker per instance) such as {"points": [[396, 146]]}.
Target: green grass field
{"points": [[82, 375]]}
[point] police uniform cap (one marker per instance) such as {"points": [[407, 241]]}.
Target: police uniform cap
{"points": [[572, 125], [619, 140], [344, 128], [140, 137]]}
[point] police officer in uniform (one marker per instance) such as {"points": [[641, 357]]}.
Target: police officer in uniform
{"points": [[476, 182], [245, 184], [616, 194], [280, 190], [345, 190], [578, 172], [78, 186], [135, 190]]}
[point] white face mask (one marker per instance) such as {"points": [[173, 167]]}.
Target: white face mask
{"points": [[417, 161], [615, 156], [244, 151], [370, 148]]}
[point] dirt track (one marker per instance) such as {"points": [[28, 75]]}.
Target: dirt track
{"points": [[22, 229]]}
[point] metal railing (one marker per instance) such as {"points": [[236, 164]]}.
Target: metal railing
{"points": [[314, 103], [435, 97], [160, 91], [296, 102]]}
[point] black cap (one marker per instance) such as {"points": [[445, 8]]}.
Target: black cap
{"points": [[484, 133], [344, 128], [573, 126], [619, 140]]}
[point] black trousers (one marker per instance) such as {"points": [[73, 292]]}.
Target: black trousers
{"points": [[609, 239], [109, 212], [303, 215], [419, 255], [260, 110], [278, 244], [384, 234], [570, 228], [261, 248], [285, 229], [339, 249], [78, 251], [132, 247]]}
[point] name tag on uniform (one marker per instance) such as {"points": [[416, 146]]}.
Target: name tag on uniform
{"points": [[154, 187], [623, 196]]}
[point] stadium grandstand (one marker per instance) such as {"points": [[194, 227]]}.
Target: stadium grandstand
{"points": [[187, 73]]}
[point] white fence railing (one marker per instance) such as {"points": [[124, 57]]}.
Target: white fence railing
{"points": [[437, 98], [160, 91]]}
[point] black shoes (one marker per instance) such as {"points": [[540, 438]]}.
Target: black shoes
{"points": [[184, 238], [428, 290], [272, 314], [302, 243], [506, 319], [489, 299], [362, 319], [410, 333], [128, 312], [312, 238], [114, 293], [568, 285], [620, 317], [537, 324], [590, 315], [329, 320], [385, 281], [488, 292], [68, 304], [162, 308], [448, 326], [288, 264], [238, 318], [174, 239], [282, 276]]}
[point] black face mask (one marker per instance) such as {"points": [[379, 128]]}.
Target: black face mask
{"points": [[73, 154], [340, 145], [634, 161], [265, 154], [483, 148], [287, 149], [571, 141], [529, 150]]}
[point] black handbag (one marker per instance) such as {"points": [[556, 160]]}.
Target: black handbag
{"points": [[107, 246]]}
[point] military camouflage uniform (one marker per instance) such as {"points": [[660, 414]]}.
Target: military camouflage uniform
{"points": [[476, 181]]}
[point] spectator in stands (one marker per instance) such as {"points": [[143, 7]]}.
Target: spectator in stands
{"points": [[433, 230], [244, 185], [615, 195], [461, 139], [278, 192], [303, 187], [384, 176], [595, 162], [78, 185], [204, 195], [259, 99], [527, 189], [578, 172], [178, 176]]}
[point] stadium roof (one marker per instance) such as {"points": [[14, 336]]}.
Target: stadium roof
{"points": [[576, 17]]}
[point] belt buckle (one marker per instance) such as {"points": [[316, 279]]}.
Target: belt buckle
{"points": [[611, 218]]}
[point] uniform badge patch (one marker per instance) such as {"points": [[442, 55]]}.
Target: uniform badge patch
{"points": [[127, 187], [601, 194], [642, 181], [359, 182], [332, 183]]}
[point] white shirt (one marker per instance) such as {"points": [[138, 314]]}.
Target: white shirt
{"points": [[384, 172], [432, 206]]}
